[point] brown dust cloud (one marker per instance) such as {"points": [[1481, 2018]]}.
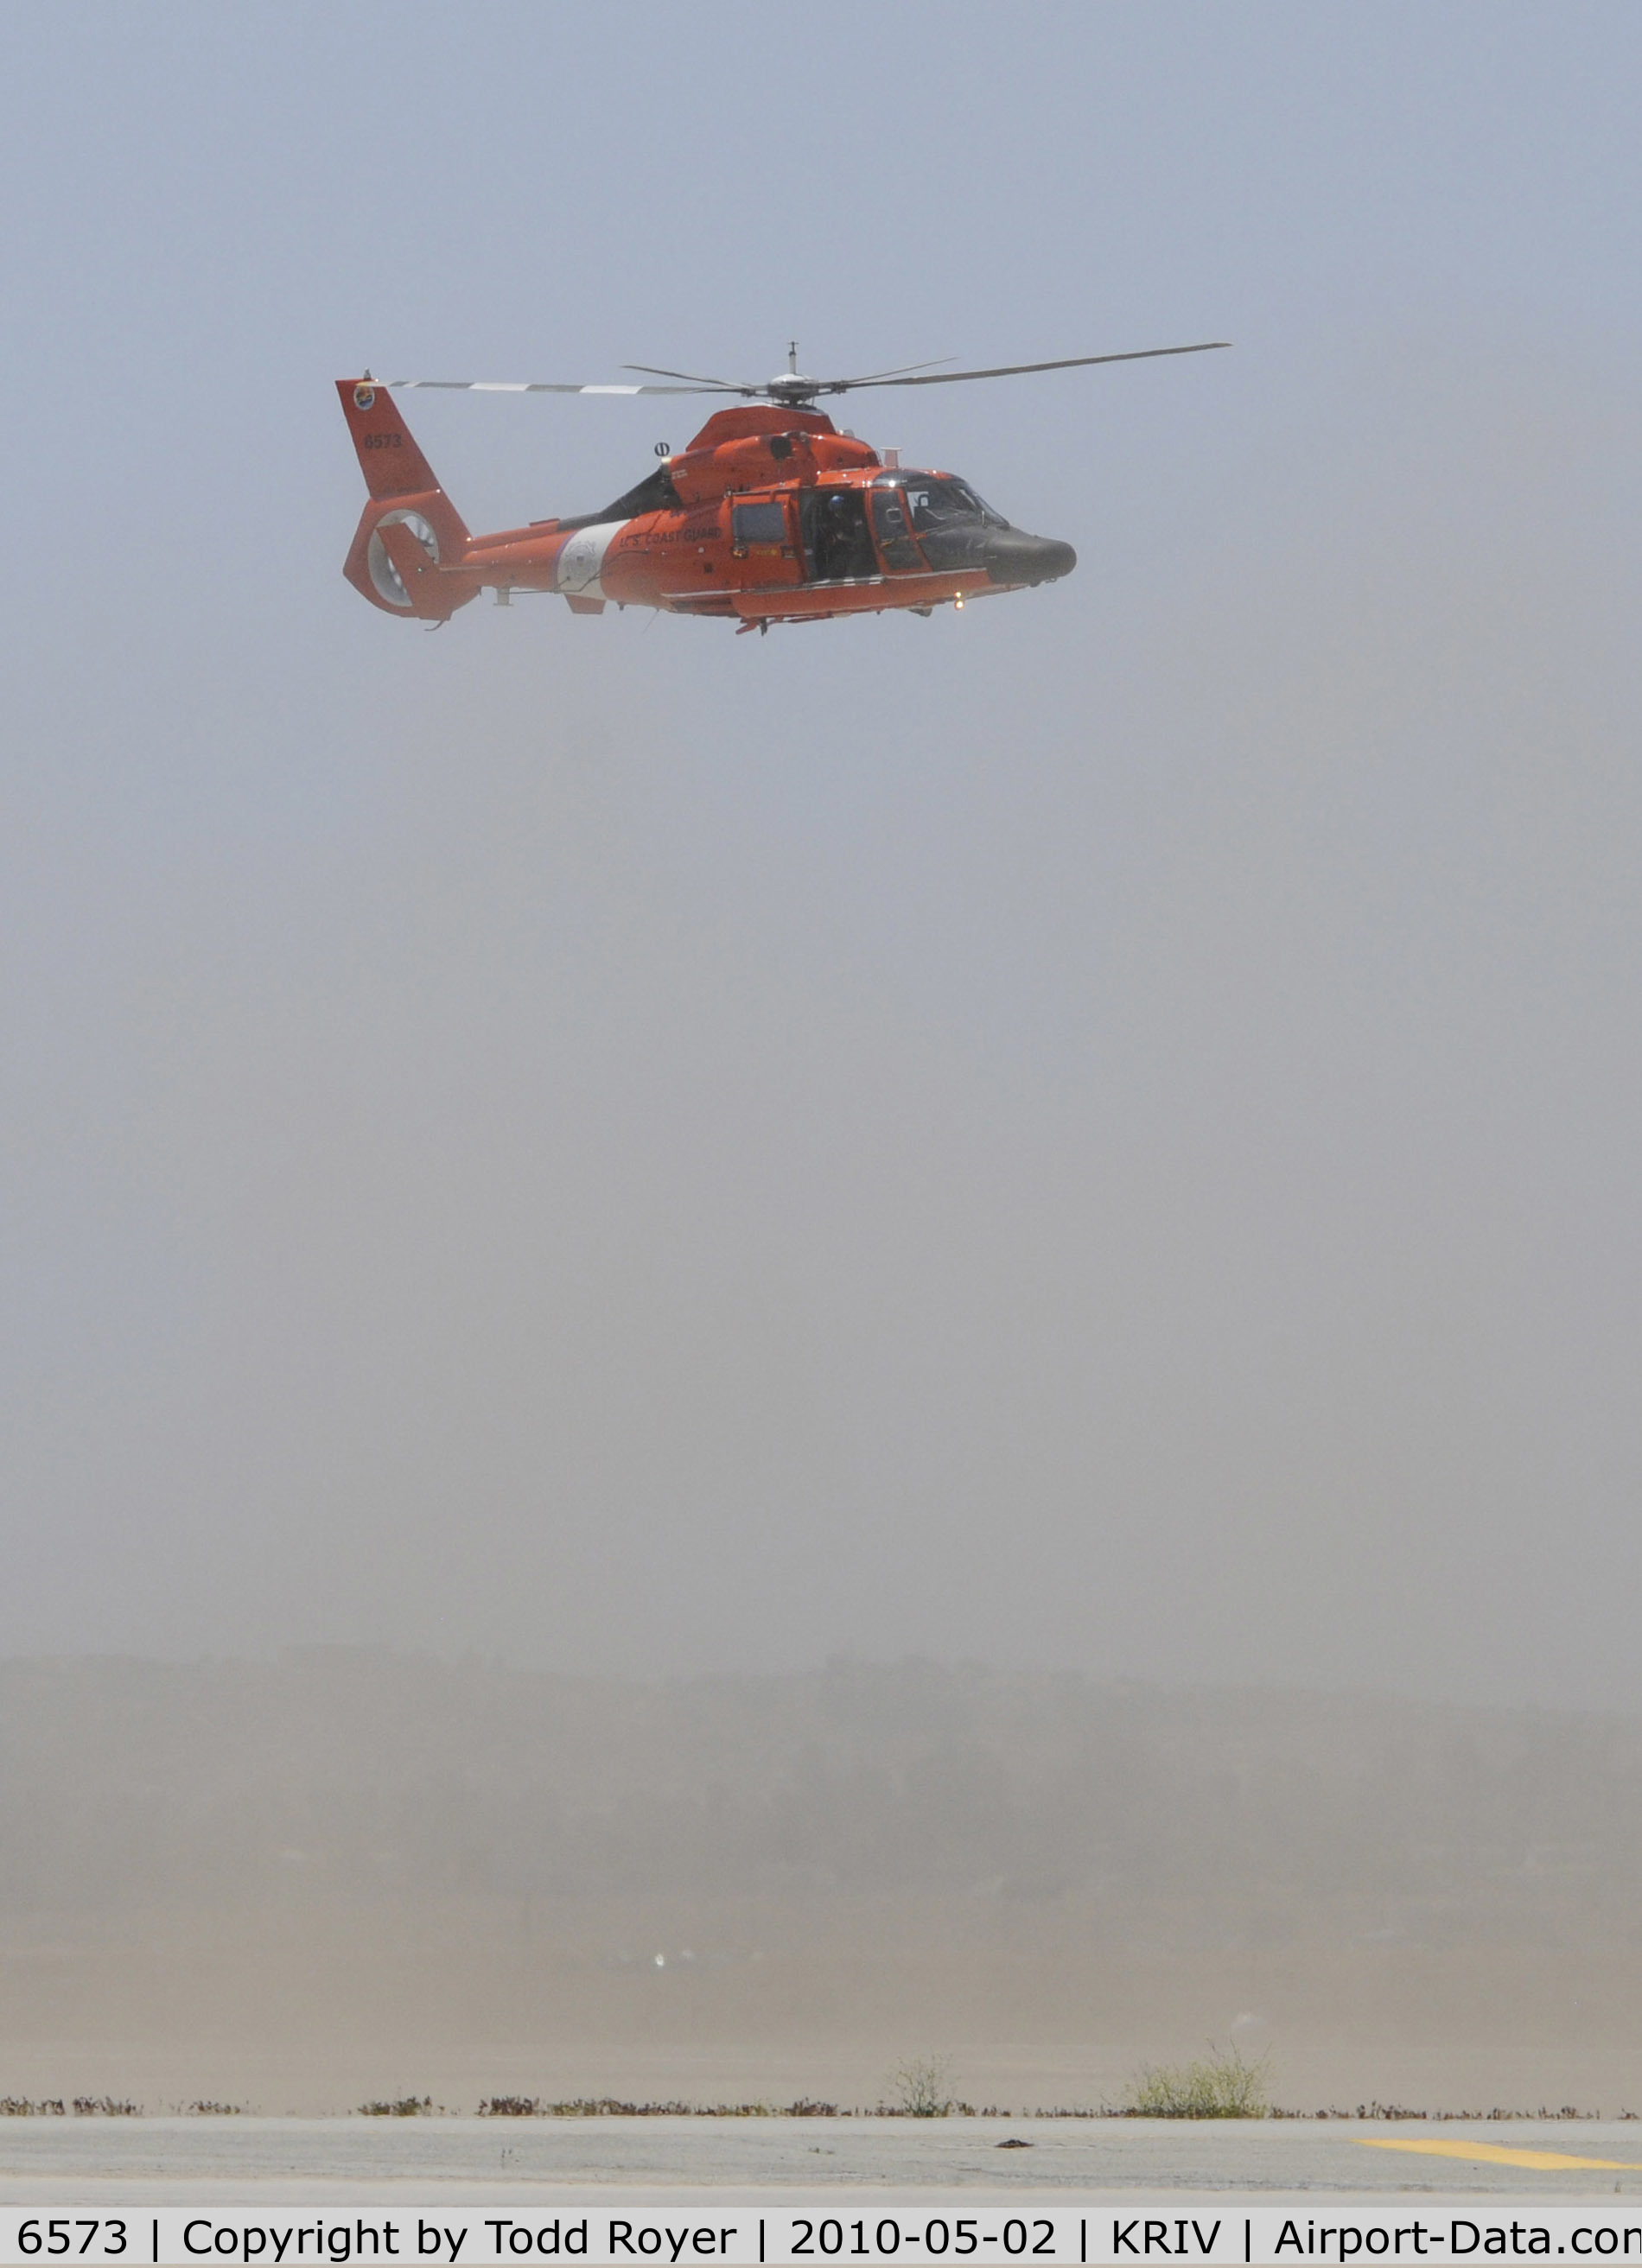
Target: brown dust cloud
{"points": [[726, 1359], [347, 1876]]}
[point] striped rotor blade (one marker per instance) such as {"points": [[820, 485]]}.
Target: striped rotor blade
{"points": [[1018, 369], [531, 385]]}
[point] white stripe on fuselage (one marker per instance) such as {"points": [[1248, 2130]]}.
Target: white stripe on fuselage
{"points": [[581, 562]]}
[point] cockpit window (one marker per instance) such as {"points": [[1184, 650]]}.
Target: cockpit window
{"points": [[947, 503], [900, 554]]}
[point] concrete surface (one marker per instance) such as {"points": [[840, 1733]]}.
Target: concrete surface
{"points": [[54, 2160]]}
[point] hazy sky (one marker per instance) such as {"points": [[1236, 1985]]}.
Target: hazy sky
{"points": [[1101, 1132]]}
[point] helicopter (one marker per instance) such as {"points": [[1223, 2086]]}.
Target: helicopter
{"points": [[770, 515]]}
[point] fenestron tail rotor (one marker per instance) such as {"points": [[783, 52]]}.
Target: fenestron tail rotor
{"points": [[791, 387]]}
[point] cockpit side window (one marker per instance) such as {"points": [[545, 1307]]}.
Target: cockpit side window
{"points": [[900, 554], [942, 501]]}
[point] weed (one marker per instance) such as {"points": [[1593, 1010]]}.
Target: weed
{"points": [[404, 2106], [1404, 2113], [607, 2106], [1220, 2084], [923, 2086]]}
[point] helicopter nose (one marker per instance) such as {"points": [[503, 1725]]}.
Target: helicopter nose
{"points": [[1013, 556]]}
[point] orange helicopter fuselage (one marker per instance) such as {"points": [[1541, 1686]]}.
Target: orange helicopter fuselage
{"points": [[770, 515]]}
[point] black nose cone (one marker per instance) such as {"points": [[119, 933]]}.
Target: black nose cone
{"points": [[1013, 556]]}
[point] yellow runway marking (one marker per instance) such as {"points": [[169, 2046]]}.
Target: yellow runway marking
{"points": [[1541, 2161]]}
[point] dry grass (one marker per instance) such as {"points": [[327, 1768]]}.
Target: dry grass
{"points": [[1219, 2085], [922, 2088]]}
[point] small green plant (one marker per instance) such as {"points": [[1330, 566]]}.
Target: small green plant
{"points": [[403, 2106], [923, 2086], [1219, 2085]]}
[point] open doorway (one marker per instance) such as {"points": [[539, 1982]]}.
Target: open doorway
{"points": [[837, 540]]}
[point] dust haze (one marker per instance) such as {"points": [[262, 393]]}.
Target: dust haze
{"points": [[589, 1211], [1125, 1170], [352, 1868]]}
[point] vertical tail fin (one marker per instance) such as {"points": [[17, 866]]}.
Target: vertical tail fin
{"points": [[410, 529], [391, 463]]}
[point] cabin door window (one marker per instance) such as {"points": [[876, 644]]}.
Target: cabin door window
{"points": [[759, 527]]}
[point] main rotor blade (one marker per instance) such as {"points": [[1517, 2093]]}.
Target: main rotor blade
{"points": [[774, 387], [883, 376], [720, 385], [1018, 369], [531, 385]]}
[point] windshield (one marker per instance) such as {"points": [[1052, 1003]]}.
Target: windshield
{"points": [[947, 503]]}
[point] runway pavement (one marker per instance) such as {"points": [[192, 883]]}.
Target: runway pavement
{"points": [[547, 2161]]}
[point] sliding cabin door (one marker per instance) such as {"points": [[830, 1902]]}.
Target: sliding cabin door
{"points": [[764, 537]]}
